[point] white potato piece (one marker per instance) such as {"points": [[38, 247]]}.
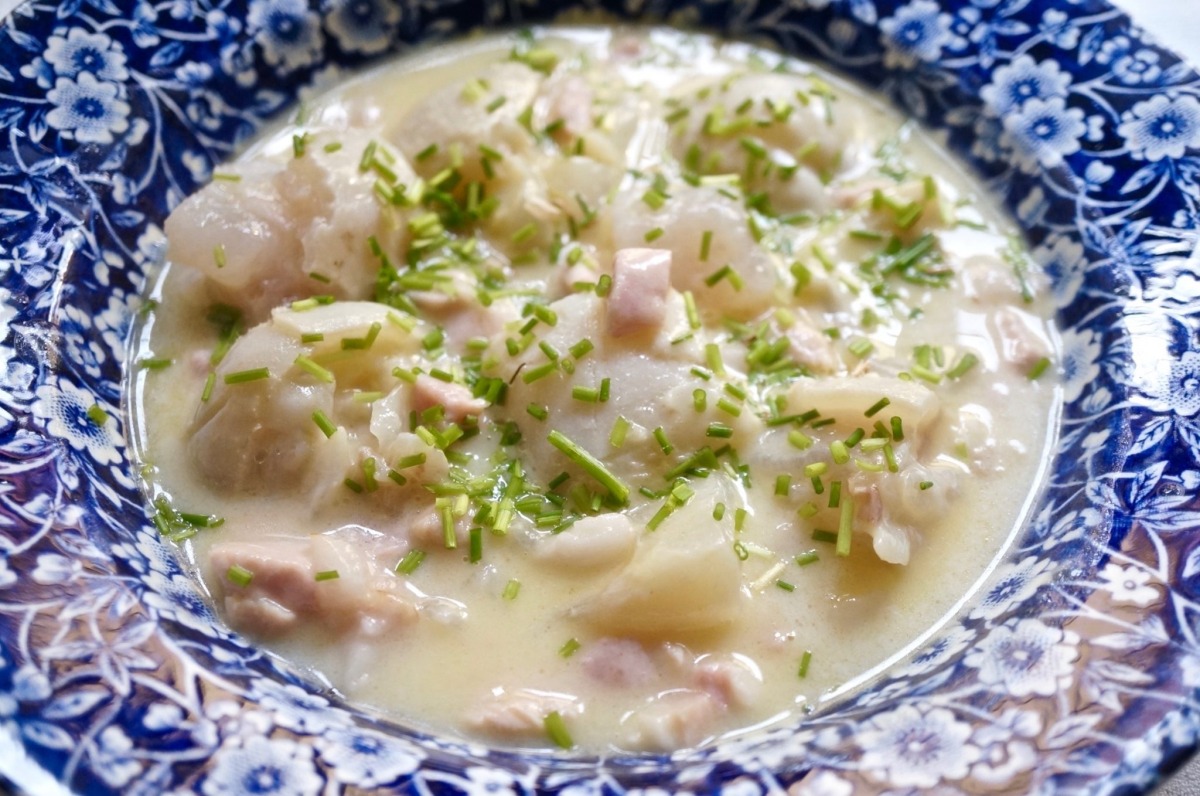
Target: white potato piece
{"points": [[590, 543], [847, 398], [658, 593]]}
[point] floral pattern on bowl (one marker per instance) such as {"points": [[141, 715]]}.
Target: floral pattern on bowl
{"points": [[1075, 670]]}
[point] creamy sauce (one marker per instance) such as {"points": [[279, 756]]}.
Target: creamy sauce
{"points": [[863, 265]]}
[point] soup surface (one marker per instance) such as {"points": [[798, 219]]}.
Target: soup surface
{"points": [[608, 388]]}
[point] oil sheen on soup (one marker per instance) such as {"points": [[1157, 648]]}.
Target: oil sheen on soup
{"points": [[608, 388]]}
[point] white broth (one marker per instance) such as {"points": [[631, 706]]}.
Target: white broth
{"points": [[608, 388]]}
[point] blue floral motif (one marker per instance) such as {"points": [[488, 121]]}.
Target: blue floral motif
{"points": [[117, 677]]}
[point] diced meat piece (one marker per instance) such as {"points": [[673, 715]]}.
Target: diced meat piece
{"points": [[846, 398], [590, 543], [812, 348], [1022, 345], [685, 219], [520, 714], [641, 281], [658, 592], [455, 399], [566, 98], [733, 679], [618, 662], [282, 590], [672, 720]]}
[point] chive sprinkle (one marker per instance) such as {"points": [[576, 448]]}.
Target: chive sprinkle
{"points": [[219, 255], [1039, 368], [568, 649], [810, 557], [878, 406], [244, 376], [209, 383], [412, 559], [313, 369], [844, 529], [705, 245], [239, 575], [324, 423], [556, 729], [783, 584], [97, 415], [593, 466], [963, 365], [327, 574], [511, 589], [805, 660]]}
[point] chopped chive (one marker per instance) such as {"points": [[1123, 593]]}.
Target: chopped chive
{"points": [[889, 454], [313, 369], [739, 519], [699, 399], [854, 438], [783, 483], [605, 387], [878, 406], [705, 245], [397, 477], [897, 429], [299, 144], [326, 574], [603, 285], [718, 431], [581, 349], [729, 407], [660, 436], [589, 395], [861, 347], [412, 559], [616, 437], [219, 255], [239, 575], [209, 382], [353, 486], [476, 547], [540, 372], [1039, 368], [244, 376], [725, 272], [826, 537], [799, 439], [511, 589], [556, 729], [410, 461], [837, 449], [718, 511], [925, 485], [804, 559], [97, 415], [496, 104], [805, 660], [538, 412], [844, 529], [835, 494], [653, 235], [808, 510], [783, 584], [712, 355], [964, 365], [593, 466], [815, 469], [568, 649], [324, 423], [925, 374], [154, 363], [740, 551], [427, 153]]}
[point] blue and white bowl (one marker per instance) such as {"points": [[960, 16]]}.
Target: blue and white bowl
{"points": [[1074, 671]]}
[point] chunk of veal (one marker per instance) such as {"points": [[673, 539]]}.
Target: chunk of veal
{"points": [[283, 591], [287, 228], [521, 713], [683, 577], [687, 217], [641, 282]]}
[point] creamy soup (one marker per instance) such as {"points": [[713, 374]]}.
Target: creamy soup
{"points": [[613, 389]]}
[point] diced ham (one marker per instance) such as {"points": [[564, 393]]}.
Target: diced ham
{"points": [[672, 720], [520, 713], [456, 399], [1022, 346], [618, 662], [812, 348], [733, 679], [283, 591], [641, 281]]}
